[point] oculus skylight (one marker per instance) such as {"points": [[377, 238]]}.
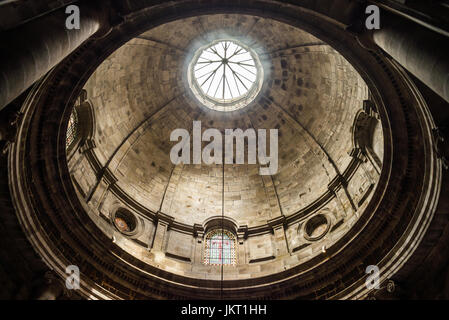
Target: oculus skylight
{"points": [[225, 75]]}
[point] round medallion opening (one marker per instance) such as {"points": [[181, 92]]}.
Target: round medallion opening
{"points": [[316, 227], [125, 222]]}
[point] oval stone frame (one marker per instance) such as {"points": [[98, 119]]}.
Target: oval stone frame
{"points": [[125, 211], [307, 236]]}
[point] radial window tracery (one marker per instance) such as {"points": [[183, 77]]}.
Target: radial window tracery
{"points": [[225, 75], [220, 248], [72, 129]]}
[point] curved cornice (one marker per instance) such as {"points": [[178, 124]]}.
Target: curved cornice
{"points": [[334, 184], [386, 234]]}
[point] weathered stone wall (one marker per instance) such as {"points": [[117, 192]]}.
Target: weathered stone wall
{"points": [[312, 95], [260, 254], [139, 96]]}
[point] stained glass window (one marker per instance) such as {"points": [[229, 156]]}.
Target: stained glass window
{"points": [[72, 129], [122, 225], [125, 221], [220, 248]]}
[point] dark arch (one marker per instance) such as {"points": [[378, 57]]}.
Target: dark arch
{"points": [[85, 124], [397, 199]]}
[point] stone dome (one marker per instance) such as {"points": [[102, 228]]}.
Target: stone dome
{"points": [[311, 94], [90, 182]]}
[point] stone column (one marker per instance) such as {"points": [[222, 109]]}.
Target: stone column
{"points": [[105, 181], [338, 187], [242, 234], [31, 50], [421, 51], [52, 288], [277, 224], [159, 237], [198, 231], [161, 231]]}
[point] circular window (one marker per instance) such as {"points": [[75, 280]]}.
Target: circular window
{"points": [[316, 227], [225, 75], [125, 221]]}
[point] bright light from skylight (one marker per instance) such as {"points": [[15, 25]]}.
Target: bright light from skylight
{"points": [[225, 75]]}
